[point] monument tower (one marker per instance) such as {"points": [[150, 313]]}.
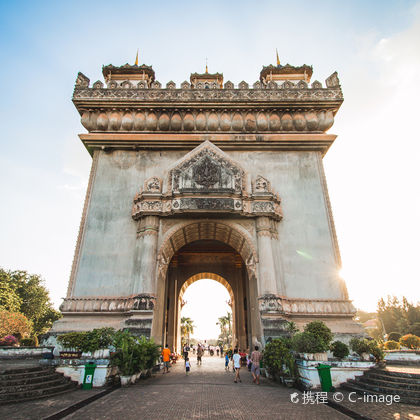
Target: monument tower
{"points": [[208, 180]]}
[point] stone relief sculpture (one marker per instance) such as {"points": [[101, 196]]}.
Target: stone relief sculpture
{"points": [[213, 182]]}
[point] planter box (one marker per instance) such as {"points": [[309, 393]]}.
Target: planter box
{"points": [[341, 371], [125, 380], [321, 357], [70, 354], [75, 369], [410, 356], [24, 352]]}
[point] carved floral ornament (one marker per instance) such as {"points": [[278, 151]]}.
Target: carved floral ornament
{"points": [[206, 180]]}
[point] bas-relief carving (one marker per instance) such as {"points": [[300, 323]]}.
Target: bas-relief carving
{"points": [[208, 167], [141, 302], [289, 306], [206, 179]]}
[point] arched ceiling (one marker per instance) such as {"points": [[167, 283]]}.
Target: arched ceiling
{"points": [[184, 234]]}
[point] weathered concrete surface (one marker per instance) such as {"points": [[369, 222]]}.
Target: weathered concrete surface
{"points": [[305, 256]]}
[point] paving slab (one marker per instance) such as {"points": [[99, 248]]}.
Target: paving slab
{"points": [[208, 392], [377, 410], [45, 407]]}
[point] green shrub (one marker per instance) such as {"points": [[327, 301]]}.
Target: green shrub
{"points": [[319, 329], [364, 345], [359, 345], [33, 341], [133, 354], [394, 336], [376, 351], [278, 358], [72, 340], [391, 345], [87, 341], [99, 338], [306, 342], [410, 341], [339, 349]]}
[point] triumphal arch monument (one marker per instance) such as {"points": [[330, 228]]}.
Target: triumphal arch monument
{"points": [[207, 180]]}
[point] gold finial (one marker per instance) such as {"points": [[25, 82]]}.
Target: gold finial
{"points": [[137, 58], [207, 70], [278, 59]]}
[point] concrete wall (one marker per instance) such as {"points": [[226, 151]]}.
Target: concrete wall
{"points": [[306, 263]]}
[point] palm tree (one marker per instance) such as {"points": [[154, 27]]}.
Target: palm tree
{"points": [[187, 327], [225, 321]]}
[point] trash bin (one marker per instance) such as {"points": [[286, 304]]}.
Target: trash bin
{"points": [[324, 372], [89, 372]]}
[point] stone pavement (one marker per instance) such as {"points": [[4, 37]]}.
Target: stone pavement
{"points": [[208, 392], [378, 411]]}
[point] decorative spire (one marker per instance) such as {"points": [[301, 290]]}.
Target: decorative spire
{"points": [[278, 59], [137, 58], [207, 70]]}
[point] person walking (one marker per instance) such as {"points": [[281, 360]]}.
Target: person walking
{"points": [[166, 357], [187, 366], [200, 352], [226, 361], [236, 365], [185, 350], [255, 368]]}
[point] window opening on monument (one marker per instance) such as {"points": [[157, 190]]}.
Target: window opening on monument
{"points": [[206, 308]]}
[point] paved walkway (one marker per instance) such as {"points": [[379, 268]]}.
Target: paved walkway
{"points": [[208, 392]]}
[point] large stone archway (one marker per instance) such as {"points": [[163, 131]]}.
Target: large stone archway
{"points": [[197, 165], [220, 250]]}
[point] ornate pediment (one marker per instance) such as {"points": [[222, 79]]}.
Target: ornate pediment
{"points": [[207, 180], [206, 169]]}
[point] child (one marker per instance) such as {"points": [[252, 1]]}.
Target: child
{"points": [[226, 361], [187, 365]]}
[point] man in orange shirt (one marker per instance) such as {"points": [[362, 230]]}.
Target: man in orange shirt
{"points": [[166, 356]]}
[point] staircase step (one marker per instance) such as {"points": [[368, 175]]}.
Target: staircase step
{"points": [[396, 373], [391, 384], [23, 373], [354, 387], [11, 389], [380, 389], [31, 380], [391, 378], [36, 393], [29, 397]]}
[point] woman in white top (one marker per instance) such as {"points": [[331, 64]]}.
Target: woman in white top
{"points": [[236, 365]]}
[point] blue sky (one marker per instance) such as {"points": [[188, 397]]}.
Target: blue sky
{"points": [[371, 169]]}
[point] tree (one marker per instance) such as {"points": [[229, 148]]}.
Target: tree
{"points": [[14, 323], [9, 298], [399, 316], [225, 323], [27, 294], [187, 328]]}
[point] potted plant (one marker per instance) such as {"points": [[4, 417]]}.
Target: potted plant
{"points": [[310, 346], [97, 342], [125, 356], [323, 333], [279, 361], [339, 349], [72, 344]]}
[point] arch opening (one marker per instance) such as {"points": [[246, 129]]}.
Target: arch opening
{"points": [[206, 257], [205, 298]]}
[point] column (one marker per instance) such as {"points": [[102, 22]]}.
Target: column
{"points": [[267, 283], [144, 279]]}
